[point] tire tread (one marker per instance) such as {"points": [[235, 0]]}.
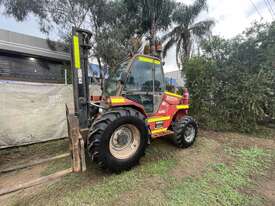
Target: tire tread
{"points": [[97, 130]]}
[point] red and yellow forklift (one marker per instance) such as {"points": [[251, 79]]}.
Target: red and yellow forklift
{"points": [[134, 108]]}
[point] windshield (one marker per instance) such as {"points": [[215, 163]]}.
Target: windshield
{"points": [[141, 77], [145, 74], [112, 83]]}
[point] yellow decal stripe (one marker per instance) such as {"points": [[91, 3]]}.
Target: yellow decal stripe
{"points": [[117, 100], [173, 94], [156, 62], [148, 60], [156, 119], [158, 130], [183, 106], [76, 52], [145, 59]]}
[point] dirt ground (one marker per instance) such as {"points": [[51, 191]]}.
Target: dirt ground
{"points": [[163, 167]]}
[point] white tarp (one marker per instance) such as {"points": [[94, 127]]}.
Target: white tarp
{"points": [[32, 112]]}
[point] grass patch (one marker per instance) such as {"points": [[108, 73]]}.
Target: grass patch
{"points": [[221, 184], [101, 194], [112, 187], [53, 146], [265, 132], [82, 189], [22, 154], [153, 183], [57, 165], [161, 167]]}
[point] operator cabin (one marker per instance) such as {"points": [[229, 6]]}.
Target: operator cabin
{"points": [[28, 58]]}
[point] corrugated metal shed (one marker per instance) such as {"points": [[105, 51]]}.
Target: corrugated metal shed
{"points": [[29, 45]]}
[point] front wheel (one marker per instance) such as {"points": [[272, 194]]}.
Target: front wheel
{"points": [[185, 132], [117, 140]]}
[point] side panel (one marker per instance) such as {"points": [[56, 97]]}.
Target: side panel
{"points": [[170, 106], [117, 101], [159, 122]]}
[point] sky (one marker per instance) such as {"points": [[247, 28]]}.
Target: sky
{"points": [[231, 18]]}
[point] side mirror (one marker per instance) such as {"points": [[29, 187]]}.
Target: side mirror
{"points": [[123, 77]]}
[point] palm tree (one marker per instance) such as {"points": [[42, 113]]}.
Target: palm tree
{"points": [[187, 30], [151, 15]]}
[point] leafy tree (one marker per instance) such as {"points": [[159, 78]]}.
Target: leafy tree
{"points": [[186, 30], [110, 35], [59, 16], [216, 48], [232, 83], [113, 37], [112, 23]]}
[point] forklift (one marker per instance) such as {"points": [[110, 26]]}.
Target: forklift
{"points": [[134, 109]]}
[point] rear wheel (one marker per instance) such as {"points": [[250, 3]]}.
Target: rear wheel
{"points": [[185, 130], [117, 140]]}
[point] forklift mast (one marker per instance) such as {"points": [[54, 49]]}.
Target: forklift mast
{"points": [[80, 47]]}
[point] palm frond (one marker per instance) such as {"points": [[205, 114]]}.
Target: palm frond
{"points": [[186, 14], [197, 7], [181, 15], [168, 46], [172, 34], [178, 52], [201, 28]]}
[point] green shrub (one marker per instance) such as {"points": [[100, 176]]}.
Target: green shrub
{"points": [[227, 99], [232, 86]]}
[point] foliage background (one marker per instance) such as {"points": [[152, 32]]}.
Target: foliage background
{"points": [[231, 82], [232, 85]]}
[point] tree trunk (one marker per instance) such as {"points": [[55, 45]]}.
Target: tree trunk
{"points": [[100, 73], [153, 38]]}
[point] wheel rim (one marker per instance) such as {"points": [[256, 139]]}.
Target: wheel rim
{"points": [[189, 133], [124, 141]]}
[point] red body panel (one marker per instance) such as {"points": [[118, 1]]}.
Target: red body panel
{"points": [[168, 107], [126, 102], [185, 96], [168, 110]]}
